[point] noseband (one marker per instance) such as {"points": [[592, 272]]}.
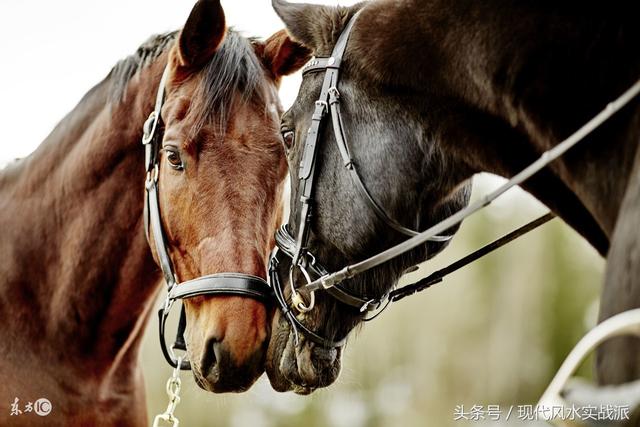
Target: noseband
{"points": [[332, 283], [239, 284]]}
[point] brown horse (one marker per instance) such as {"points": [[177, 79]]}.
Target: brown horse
{"points": [[78, 277], [432, 92]]}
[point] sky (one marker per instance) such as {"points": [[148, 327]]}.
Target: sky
{"points": [[53, 52]]}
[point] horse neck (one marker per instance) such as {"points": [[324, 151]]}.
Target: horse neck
{"points": [[78, 279], [516, 78]]}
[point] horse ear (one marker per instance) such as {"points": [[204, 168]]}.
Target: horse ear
{"points": [[304, 21], [281, 55], [201, 35]]}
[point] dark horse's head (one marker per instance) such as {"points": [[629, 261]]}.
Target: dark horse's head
{"points": [[221, 175], [394, 152]]}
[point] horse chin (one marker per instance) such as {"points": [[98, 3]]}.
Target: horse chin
{"points": [[277, 344], [303, 368]]}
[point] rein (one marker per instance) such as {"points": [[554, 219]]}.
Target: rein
{"points": [[302, 258], [240, 284]]}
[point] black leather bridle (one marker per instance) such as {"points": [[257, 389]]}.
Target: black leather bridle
{"points": [[297, 248], [240, 284], [332, 283]]}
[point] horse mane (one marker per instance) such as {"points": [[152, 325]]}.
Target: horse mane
{"points": [[124, 70], [234, 74]]}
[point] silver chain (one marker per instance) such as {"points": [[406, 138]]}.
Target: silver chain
{"points": [[173, 391]]}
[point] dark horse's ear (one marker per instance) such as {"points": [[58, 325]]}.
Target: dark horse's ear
{"points": [[201, 35], [281, 55], [308, 23]]}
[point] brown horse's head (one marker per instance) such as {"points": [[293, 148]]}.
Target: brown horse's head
{"points": [[220, 182]]}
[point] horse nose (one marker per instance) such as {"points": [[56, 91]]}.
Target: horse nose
{"points": [[223, 373], [317, 365]]}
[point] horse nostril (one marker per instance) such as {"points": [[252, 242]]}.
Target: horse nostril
{"points": [[211, 355]]}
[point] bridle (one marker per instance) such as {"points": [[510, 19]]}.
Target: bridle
{"points": [[297, 249], [240, 284], [332, 283]]}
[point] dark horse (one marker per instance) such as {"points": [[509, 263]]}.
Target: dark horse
{"points": [[433, 92], [78, 277]]}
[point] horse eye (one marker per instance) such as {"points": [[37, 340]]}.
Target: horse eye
{"points": [[288, 137], [173, 157]]}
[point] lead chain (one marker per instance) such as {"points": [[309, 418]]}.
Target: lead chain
{"points": [[173, 391]]}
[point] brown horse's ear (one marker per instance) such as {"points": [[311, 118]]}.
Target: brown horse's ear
{"points": [[202, 34], [282, 56], [307, 23]]}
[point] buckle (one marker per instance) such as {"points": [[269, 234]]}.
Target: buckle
{"points": [[321, 110], [365, 306], [334, 95], [149, 128], [297, 300]]}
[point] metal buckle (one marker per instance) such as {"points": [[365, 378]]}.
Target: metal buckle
{"points": [[366, 305], [334, 95], [322, 104], [149, 128], [296, 298], [313, 259]]}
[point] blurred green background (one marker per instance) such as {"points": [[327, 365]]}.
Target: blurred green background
{"points": [[493, 333]]}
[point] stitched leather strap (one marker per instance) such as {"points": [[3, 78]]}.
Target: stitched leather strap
{"points": [[223, 283]]}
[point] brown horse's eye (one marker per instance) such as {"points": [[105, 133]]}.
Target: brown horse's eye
{"points": [[173, 157], [288, 138]]}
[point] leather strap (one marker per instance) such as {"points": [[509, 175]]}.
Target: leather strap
{"points": [[155, 226], [223, 283], [179, 344], [310, 150], [319, 64], [349, 164]]}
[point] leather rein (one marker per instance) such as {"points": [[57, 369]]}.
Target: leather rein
{"points": [[240, 284], [328, 103]]}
